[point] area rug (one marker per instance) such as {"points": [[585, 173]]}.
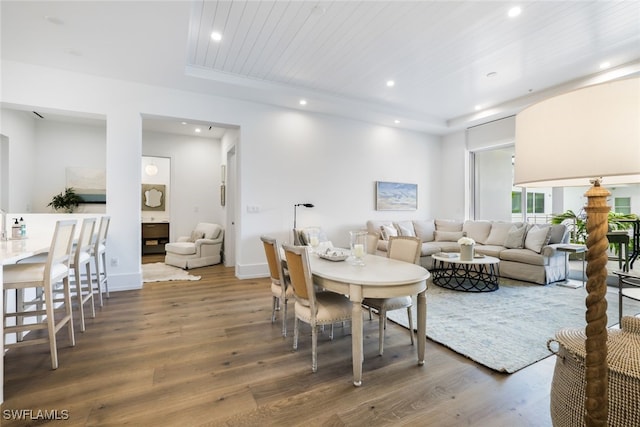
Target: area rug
{"points": [[508, 329], [161, 272]]}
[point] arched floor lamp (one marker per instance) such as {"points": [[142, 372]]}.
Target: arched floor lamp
{"points": [[568, 140]]}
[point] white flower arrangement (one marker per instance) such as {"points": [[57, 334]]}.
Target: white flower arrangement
{"points": [[466, 241]]}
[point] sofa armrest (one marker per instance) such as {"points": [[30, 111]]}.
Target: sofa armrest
{"points": [[208, 247], [551, 250]]}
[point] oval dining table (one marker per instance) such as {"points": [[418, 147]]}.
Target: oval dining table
{"points": [[379, 277]]}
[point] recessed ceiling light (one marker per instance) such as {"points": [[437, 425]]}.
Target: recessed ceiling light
{"points": [[303, 102], [198, 130], [478, 107], [605, 65], [396, 121], [492, 74], [514, 11], [391, 83], [184, 123], [216, 36]]}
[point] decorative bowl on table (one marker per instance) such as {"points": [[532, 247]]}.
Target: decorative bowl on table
{"points": [[334, 254]]}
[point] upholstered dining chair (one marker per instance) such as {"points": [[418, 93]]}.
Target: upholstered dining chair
{"points": [[43, 277], [281, 290], [402, 248], [316, 309]]}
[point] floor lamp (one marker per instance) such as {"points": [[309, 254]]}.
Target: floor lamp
{"points": [[295, 215], [590, 134]]}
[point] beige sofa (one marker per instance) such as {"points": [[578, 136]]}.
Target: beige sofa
{"points": [[527, 252]]}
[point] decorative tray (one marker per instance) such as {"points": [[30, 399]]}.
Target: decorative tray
{"points": [[334, 254]]}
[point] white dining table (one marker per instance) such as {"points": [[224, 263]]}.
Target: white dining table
{"points": [[12, 251], [379, 277]]}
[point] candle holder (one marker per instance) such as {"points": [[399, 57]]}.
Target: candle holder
{"points": [[358, 246]]}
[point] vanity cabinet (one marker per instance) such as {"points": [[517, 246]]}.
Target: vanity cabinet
{"points": [[154, 236]]}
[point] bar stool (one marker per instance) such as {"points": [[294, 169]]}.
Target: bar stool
{"points": [[82, 258], [43, 277], [99, 255]]}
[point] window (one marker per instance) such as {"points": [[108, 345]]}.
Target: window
{"points": [[622, 205], [516, 202], [535, 203]]}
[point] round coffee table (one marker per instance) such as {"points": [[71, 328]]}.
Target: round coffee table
{"points": [[478, 275]]}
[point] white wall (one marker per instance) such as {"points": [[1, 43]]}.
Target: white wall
{"points": [[284, 157], [19, 129], [195, 179], [453, 178]]}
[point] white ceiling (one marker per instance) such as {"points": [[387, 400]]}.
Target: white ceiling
{"points": [[338, 55]]}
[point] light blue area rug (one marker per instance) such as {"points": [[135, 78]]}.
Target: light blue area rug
{"points": [[508, 329]]}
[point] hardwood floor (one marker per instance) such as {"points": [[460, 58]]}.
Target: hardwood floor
{"points": [[198, 353]]}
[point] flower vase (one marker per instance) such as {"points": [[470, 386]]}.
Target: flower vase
{"points": [[466, 252]]}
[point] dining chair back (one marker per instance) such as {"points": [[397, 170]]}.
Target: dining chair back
{"points": [[405, 248], [401, 248], [43, 277], [281, 291], [316, 309]]}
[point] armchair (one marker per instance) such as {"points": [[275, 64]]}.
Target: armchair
{"points": [[203, 247]]}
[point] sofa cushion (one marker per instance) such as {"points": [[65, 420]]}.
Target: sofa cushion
{"points": [[425, 230], [430, 248], [524, 256], [558, 234], [448, 236], [387, 231], [448, 225], [515, 237], [405, 228], [490, 250], [181, 248], [499, 232], [537, 237], [477, 230]]}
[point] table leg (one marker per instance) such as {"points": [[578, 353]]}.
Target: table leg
{"points": [[422, 325], [355, 295]]}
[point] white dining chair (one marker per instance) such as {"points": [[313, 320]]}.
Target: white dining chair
{"points": [[314, 308], [402, 248], [42, 277], [281, 289]]}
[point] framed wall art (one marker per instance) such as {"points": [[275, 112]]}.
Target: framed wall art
{"points": [[396, 196]]}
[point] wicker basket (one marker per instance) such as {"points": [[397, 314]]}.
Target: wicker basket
{"points": [[568, 385]]}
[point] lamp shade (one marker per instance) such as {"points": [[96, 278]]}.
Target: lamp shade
{"points": [[592, 132]]}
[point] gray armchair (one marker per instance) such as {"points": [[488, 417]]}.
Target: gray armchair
{"points": [[203, 247]]}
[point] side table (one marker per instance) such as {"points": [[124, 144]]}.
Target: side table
{"points": [[573, 249]]}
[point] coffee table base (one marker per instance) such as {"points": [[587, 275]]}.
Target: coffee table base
{"points": [[465, 277]]}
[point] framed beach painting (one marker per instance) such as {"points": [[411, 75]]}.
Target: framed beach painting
{"points": [[396, 196]]}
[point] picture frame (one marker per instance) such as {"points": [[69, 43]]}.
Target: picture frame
{"points": [[396, 196]]}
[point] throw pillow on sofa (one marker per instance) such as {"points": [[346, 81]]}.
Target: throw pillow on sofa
{"points": [[425, 229], [499, 233], [405, 228], [537, 237], [448, 236], [515, 237], [387, 231], [448, 225]]}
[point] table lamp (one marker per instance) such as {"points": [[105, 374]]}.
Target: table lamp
{"points": [[588, 135]]}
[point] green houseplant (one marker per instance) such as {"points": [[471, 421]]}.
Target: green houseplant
{"points": [[65, 201], [577, 223]]}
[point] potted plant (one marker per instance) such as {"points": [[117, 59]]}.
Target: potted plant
{"points": [[66, 201]]}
